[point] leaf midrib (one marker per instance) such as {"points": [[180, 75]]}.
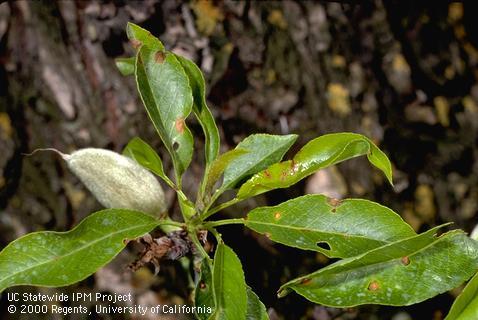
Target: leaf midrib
{"points": [[307, 171], [273, 151], [315, 230], [219, 300], [161, 129]]}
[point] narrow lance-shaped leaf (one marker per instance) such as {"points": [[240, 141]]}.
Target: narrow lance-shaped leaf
{"points": [[338, 229], [319, 153], [255, 308], [204, 292], [144, 154], [138, 37], [202, 112], [125, 65], [262, 151], [166, 94], [465, 306], [229, 285], [219, 165], [55, 259], [142, 37], [401, 273]]}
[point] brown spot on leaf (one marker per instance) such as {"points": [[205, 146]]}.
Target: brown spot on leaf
{"points": [[294, 168], [179, 125], [405, 260], [277, 215], [283, 175], [305, 281], [159, 56], [334, 210], [202, 285], [334, 202], [373, 286], [267, 174], [136, 43]]}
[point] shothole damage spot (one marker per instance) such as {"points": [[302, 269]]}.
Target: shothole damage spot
{"points": [[293, 167], [405, 260], [159, 57], [334, 203], [373, 286], [136, 43], [179, 125], [323, 245]]}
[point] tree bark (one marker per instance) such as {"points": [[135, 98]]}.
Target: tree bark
{"points": [[402, 73]]}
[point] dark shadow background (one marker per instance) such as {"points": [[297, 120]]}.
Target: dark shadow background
{"points": [[404, 73]]}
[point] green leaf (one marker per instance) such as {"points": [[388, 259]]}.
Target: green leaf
{"points": [[125, 65], [401, 273], [263, 150], [219, 165], [55, 259], [255, 308], [204, 293], [229, 285], [141, 37], [349, 227], [322, 152], [166, 94], [466, 304], [202, 112], [138, 150]]}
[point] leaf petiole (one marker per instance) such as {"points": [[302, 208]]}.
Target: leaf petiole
{"points": [[197, 243], [213, 224], [220, 207]]}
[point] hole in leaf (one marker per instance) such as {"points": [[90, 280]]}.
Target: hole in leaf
{"points": [[202, 285], [323, 245], [176, 146]]}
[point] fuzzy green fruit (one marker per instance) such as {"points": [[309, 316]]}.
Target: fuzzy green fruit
{"points": [[117, 181]]}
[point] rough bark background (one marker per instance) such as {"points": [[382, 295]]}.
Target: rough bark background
{"points": [[403, 73]]}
